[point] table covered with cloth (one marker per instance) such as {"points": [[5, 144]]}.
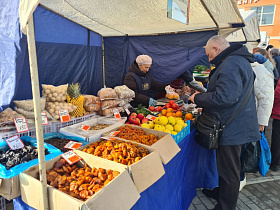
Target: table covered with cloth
{"points": [[193, 167]]}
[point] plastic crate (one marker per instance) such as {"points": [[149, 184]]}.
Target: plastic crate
{"points": [[55, 126], [183, 133], [2, 203]]}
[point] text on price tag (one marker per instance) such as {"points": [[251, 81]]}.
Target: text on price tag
{"points": [[117, 113], [21, 124], [15, 142], [108, 138], [83, 127], [64, 115], [71, 157], [45, 120], [114, 133], [150, 117], [73, 145], [126, 109]]}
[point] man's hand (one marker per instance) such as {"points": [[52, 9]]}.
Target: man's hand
{"points": [[261, 128], [191, 98]]}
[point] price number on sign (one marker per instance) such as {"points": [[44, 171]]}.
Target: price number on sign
{"points": [[150, 117], [45, 120], [117, 113], [73, 145], [71, 157], [83, 127], [15, 142], [64, 115], [126, 109], [21, 124]]}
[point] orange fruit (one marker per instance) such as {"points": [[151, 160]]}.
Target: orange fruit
{"points": [[169, 110], [163, 112], [166, 95], [176, 96], [169, 114], [179, 114], [174, 114], [188, 116]]}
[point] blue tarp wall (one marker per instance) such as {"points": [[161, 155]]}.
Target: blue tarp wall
{"points": [[70, 53]]}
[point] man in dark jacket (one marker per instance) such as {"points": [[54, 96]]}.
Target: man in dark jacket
{"points": [[141, 81], [228, 87], [274, 52]]}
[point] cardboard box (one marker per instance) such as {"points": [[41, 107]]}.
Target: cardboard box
{"points": [[9, 188], [119, 194], [144, 173], [92, 135], [166, 146]]}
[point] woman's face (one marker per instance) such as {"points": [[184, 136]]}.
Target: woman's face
{"points": [[144, 68]]}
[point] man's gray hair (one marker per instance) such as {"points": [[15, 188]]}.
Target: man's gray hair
{"points": [[274, 51], [219, 40]]}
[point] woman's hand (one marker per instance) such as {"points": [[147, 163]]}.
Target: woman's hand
{"points": [[261, 128]]}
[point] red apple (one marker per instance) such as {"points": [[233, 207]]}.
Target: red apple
{"points": [[167, 106], [140, 116], [152, 108], [131, 119], [171, 102], [175, 106], [136, 121], [127, 123], [145, 120], [134, 114], [159, 109]]}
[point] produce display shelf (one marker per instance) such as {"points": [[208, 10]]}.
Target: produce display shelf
{"points": [[2, 203]]}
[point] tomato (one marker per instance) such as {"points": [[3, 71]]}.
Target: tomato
{"points": [[167, 106], [158, 109], [175, 106], [152, 108], [171, 102]]}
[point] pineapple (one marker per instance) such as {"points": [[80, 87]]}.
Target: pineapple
{"points": [[74, 97]]}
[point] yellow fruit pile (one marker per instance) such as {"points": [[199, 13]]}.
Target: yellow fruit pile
{"points": [[170, 124]]}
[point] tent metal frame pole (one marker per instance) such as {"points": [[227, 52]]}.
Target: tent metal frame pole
{"points": [[37, 110], [103, 62]]}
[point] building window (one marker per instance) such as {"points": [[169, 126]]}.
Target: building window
{"points": [[265, 14]]}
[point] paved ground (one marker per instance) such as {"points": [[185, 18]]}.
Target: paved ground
{"points": [[259, 193]]}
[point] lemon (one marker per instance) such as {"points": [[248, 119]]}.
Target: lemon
{"points": [[171, 120], [167, 131], [158, 128], [176, 119], [163, 120], [174, 133], [145, 125], [178, 127], [181, 122], [151, 124], [185, 125], [169, 127]]}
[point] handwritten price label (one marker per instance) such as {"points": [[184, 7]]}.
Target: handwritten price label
{"points": [[150, 117], [83, 127], [126, 109], [108, 138], [114, 133], [15, 142], [21, 124], [64, 115], [117, 113], [45, 120], [71, 157], [73, 145]]}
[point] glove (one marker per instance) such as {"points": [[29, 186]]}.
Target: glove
{"points": [[152, 102], [188, 107], [193, 84]]}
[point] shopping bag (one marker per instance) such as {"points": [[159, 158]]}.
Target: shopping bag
{"points": [[265, 157], [250, 157]]}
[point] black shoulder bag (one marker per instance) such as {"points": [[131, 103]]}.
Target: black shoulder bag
{"points": [[209, 128]]}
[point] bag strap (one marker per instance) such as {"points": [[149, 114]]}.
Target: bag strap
{"points": [[239, 109]]}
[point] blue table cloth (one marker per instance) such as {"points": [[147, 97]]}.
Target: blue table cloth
{"points": [[193, 167]]}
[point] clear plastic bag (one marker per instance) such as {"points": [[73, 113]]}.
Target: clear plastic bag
{"points": [[107, 93], [30, 114], [92, 107], [53, 93], [7, 117], [90, 99], [170, 93], [27, 105], [124, 101], [124, 92], [109, 104], [54, 107]]}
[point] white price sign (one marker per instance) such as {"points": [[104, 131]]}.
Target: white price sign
{"points": [[21, 124], [71, 157], [45, 120], [108, 138], [73, 145], [15, 142], [83, 127], [150, 117], [126, 109], [114, 133], [117, 113], [64, 115]]}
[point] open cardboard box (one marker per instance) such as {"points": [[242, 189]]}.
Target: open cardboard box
{"points": [[119, 194], [9, 188], [166, 146], [92, 135], [144, 173]]}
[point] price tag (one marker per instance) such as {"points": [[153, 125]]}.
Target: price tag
{"points": [[109, 138], [126, 109], [114, 133], [15, 142], [73, 145], [21, 124], [117, 113], [64, 115], [45, 120], [71, 157], [83, 127], [150, 117]]}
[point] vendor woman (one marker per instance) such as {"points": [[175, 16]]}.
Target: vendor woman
{"points": [[140, 80]]}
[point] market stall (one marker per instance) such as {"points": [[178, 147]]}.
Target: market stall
{"points": [[104, 20]]}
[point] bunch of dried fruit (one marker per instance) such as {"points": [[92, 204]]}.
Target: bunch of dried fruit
{"points": [[99, 126], [119, 151], [137, 135], [59, 143], [80, 183]]}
